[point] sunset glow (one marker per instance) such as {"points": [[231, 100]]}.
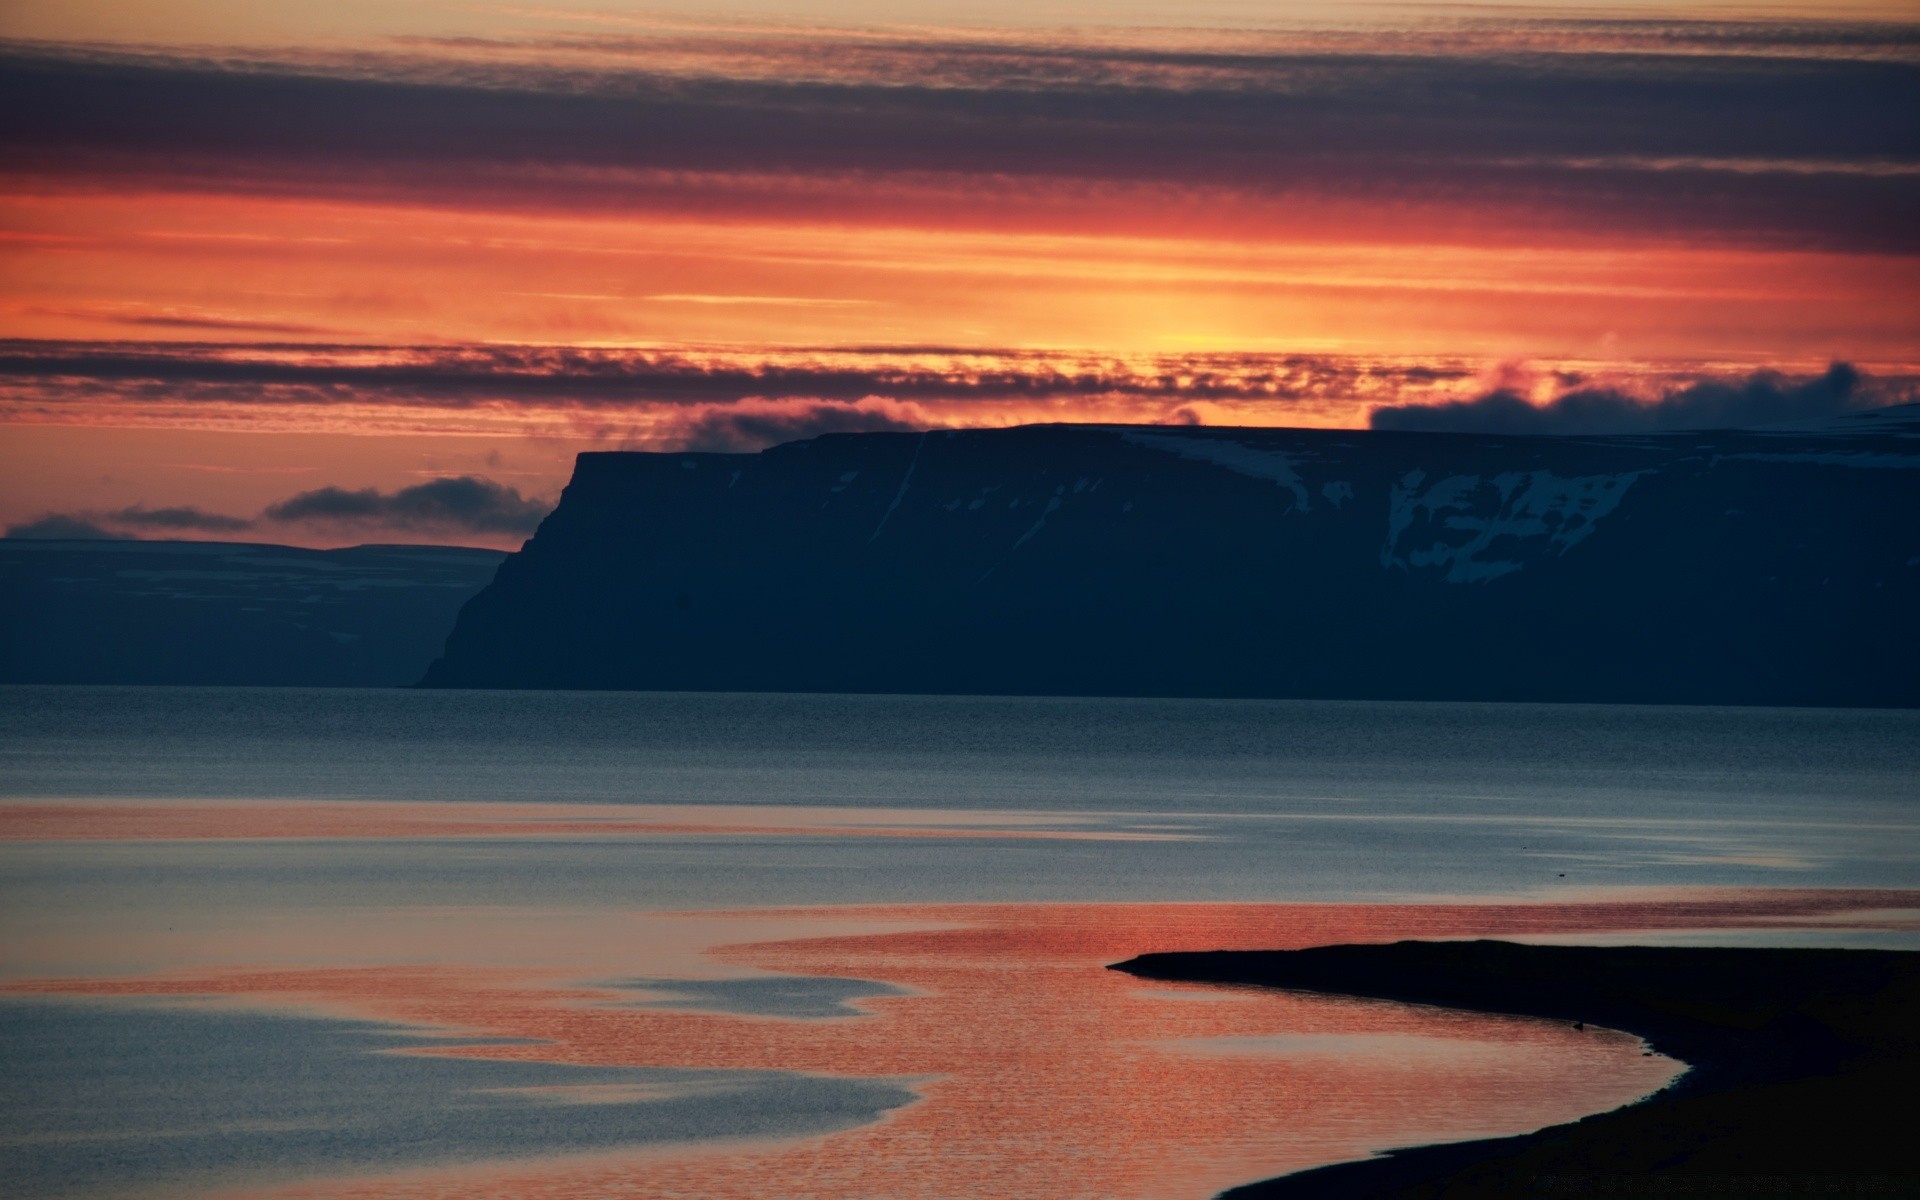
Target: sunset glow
{"points": [[566, 229]]}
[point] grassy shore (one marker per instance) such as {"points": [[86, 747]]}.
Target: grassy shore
{"points": [[1802, 1084]]}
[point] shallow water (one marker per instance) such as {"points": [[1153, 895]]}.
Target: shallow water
{"points": [[849, 946]]}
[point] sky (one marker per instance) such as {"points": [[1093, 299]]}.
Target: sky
{"points": [[330, 274]]}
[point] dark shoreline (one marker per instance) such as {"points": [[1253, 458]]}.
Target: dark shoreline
{"points": [[1803, 1064]]}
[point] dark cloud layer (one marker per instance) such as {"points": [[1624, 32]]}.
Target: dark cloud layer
{"points": [[1621, 139], [738, 401], [1764, 398], [1338, 106], [591, 378], [463, 502]]}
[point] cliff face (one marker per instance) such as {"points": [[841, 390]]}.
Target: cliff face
{"points": [[1777, 567]]}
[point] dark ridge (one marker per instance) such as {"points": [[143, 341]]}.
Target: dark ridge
{"points": [[1800, 1060], [1723, 567], [229, 613]]}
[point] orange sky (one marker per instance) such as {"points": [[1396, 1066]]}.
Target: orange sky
{"points": [[1307, 212]]}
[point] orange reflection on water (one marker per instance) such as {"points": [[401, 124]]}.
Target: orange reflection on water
{"points": [[1042, 1072]]}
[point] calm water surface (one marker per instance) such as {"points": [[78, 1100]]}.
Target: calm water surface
{"points": [[436, 944]]}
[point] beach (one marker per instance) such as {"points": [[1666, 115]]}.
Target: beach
{"points": [[1796, 1058]]}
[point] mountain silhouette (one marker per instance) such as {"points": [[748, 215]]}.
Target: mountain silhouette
{"points": [[134, 612], [1773, 566]]}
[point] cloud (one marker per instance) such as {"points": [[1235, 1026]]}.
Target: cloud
{"points": [[644, 399], [1763, 398], [463, 503], [59, 374], [60, 527], [1778, 148], [755, 425], [209, 322], [179, 518], [213, 324]]}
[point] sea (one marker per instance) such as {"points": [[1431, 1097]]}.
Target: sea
{"points": [[397, 943]]}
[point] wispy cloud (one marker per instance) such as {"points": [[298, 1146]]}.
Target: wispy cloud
{"points": [[170, 317], [231, 469], [774, 301]]}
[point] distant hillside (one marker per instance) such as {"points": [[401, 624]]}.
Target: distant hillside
{"points": [[1763, 567], [228, 613]]}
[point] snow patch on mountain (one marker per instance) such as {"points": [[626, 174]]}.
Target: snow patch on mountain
{"points": [[1481, 530]]}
